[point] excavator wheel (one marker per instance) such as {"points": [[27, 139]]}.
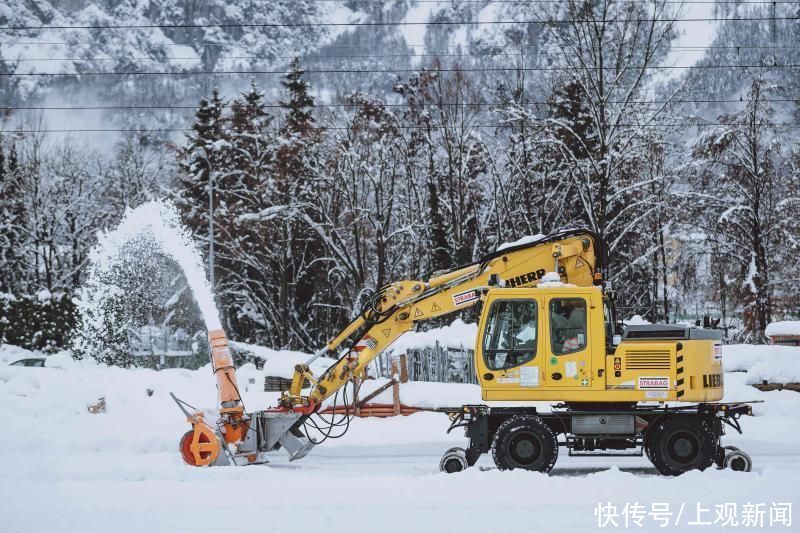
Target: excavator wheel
{"points": [[454, 460], [678, 444], [737, 460], [525, 442], [199, 447]]}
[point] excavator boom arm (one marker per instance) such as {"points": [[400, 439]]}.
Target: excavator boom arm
{"points": [[573, 254]]}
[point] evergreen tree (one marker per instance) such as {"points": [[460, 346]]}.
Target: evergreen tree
{"points": [[246, 249], [300, 261], [13, 241], [299, 119], [440, 256]]}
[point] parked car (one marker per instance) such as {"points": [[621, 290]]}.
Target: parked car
{"points": [[33, 361]]}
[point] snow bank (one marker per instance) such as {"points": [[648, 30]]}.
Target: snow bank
{"points": [[456, 335], [65, 469], [552, 280], [775, 364], [10, 353], [636, 320], [281, 363], [424, 394], [786, 327]]}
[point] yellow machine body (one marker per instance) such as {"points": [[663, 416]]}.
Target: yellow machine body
{"points": [[590, 369], [547, 332]]}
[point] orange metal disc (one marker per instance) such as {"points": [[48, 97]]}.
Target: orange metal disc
{"points": [[199, 447]]}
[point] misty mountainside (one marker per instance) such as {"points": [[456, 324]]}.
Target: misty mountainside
{"points": [[149, 57], [233, 37]]}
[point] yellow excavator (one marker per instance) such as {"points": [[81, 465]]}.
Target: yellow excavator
{"points": [[547, 333]]}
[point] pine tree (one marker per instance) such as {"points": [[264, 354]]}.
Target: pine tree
{"points": [[247, 246], [301, 263], [299, 119], [13, 245], [440, 257]]}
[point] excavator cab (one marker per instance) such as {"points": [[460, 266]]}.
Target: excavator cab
{"points": [[535, 341]]}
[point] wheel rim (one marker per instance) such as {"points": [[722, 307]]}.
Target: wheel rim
{"points": [[738, 464], [683, 447], [524, 449], [453, 465]]}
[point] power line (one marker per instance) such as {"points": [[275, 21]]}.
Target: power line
{"points": [[489, 55], [373, 71], [431, 127], [346, 105], [362, 45], [381, 24], [680, 2]]}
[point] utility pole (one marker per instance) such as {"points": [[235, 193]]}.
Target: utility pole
{"points": [[211, 228]]}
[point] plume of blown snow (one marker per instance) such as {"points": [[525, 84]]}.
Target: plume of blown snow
{"points": [[159, 221]]}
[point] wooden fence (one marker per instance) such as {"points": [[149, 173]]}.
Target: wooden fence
{"points": [[438, 363]]}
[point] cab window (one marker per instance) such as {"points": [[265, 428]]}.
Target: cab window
{"points": [[510, 337], [567, 325]]}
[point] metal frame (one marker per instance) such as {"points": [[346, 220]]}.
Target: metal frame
{"points": [[480, 422]]}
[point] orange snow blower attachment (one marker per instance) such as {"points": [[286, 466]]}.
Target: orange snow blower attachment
{"points": [[201, 445], [239, 437]]}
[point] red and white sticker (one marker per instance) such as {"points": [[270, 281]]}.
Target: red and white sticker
{"points": [[654, 383], [718, 352], [464, 297], [366, 342]]}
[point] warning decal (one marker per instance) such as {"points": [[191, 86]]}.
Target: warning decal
{"points": [[465, 297], [418, 312], [579, 263], [386, 332], [435, 307], [654, 383], [366, 342]]}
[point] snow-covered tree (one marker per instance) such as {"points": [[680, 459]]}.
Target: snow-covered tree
{"points": [[442, 111], [139, 171], [749, 194], [13, 246], [603, 124]]}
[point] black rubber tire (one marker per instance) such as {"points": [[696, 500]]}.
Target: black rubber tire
{"points": [[454, 460], [677, 444], [525, 442]]}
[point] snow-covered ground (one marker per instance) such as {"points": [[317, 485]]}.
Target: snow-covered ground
{"points": [[66, 469]]}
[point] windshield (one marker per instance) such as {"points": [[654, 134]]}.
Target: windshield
{"points": [[510, 336]]}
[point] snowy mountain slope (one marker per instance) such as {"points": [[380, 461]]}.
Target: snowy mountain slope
{"points": [[225, 36]]}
